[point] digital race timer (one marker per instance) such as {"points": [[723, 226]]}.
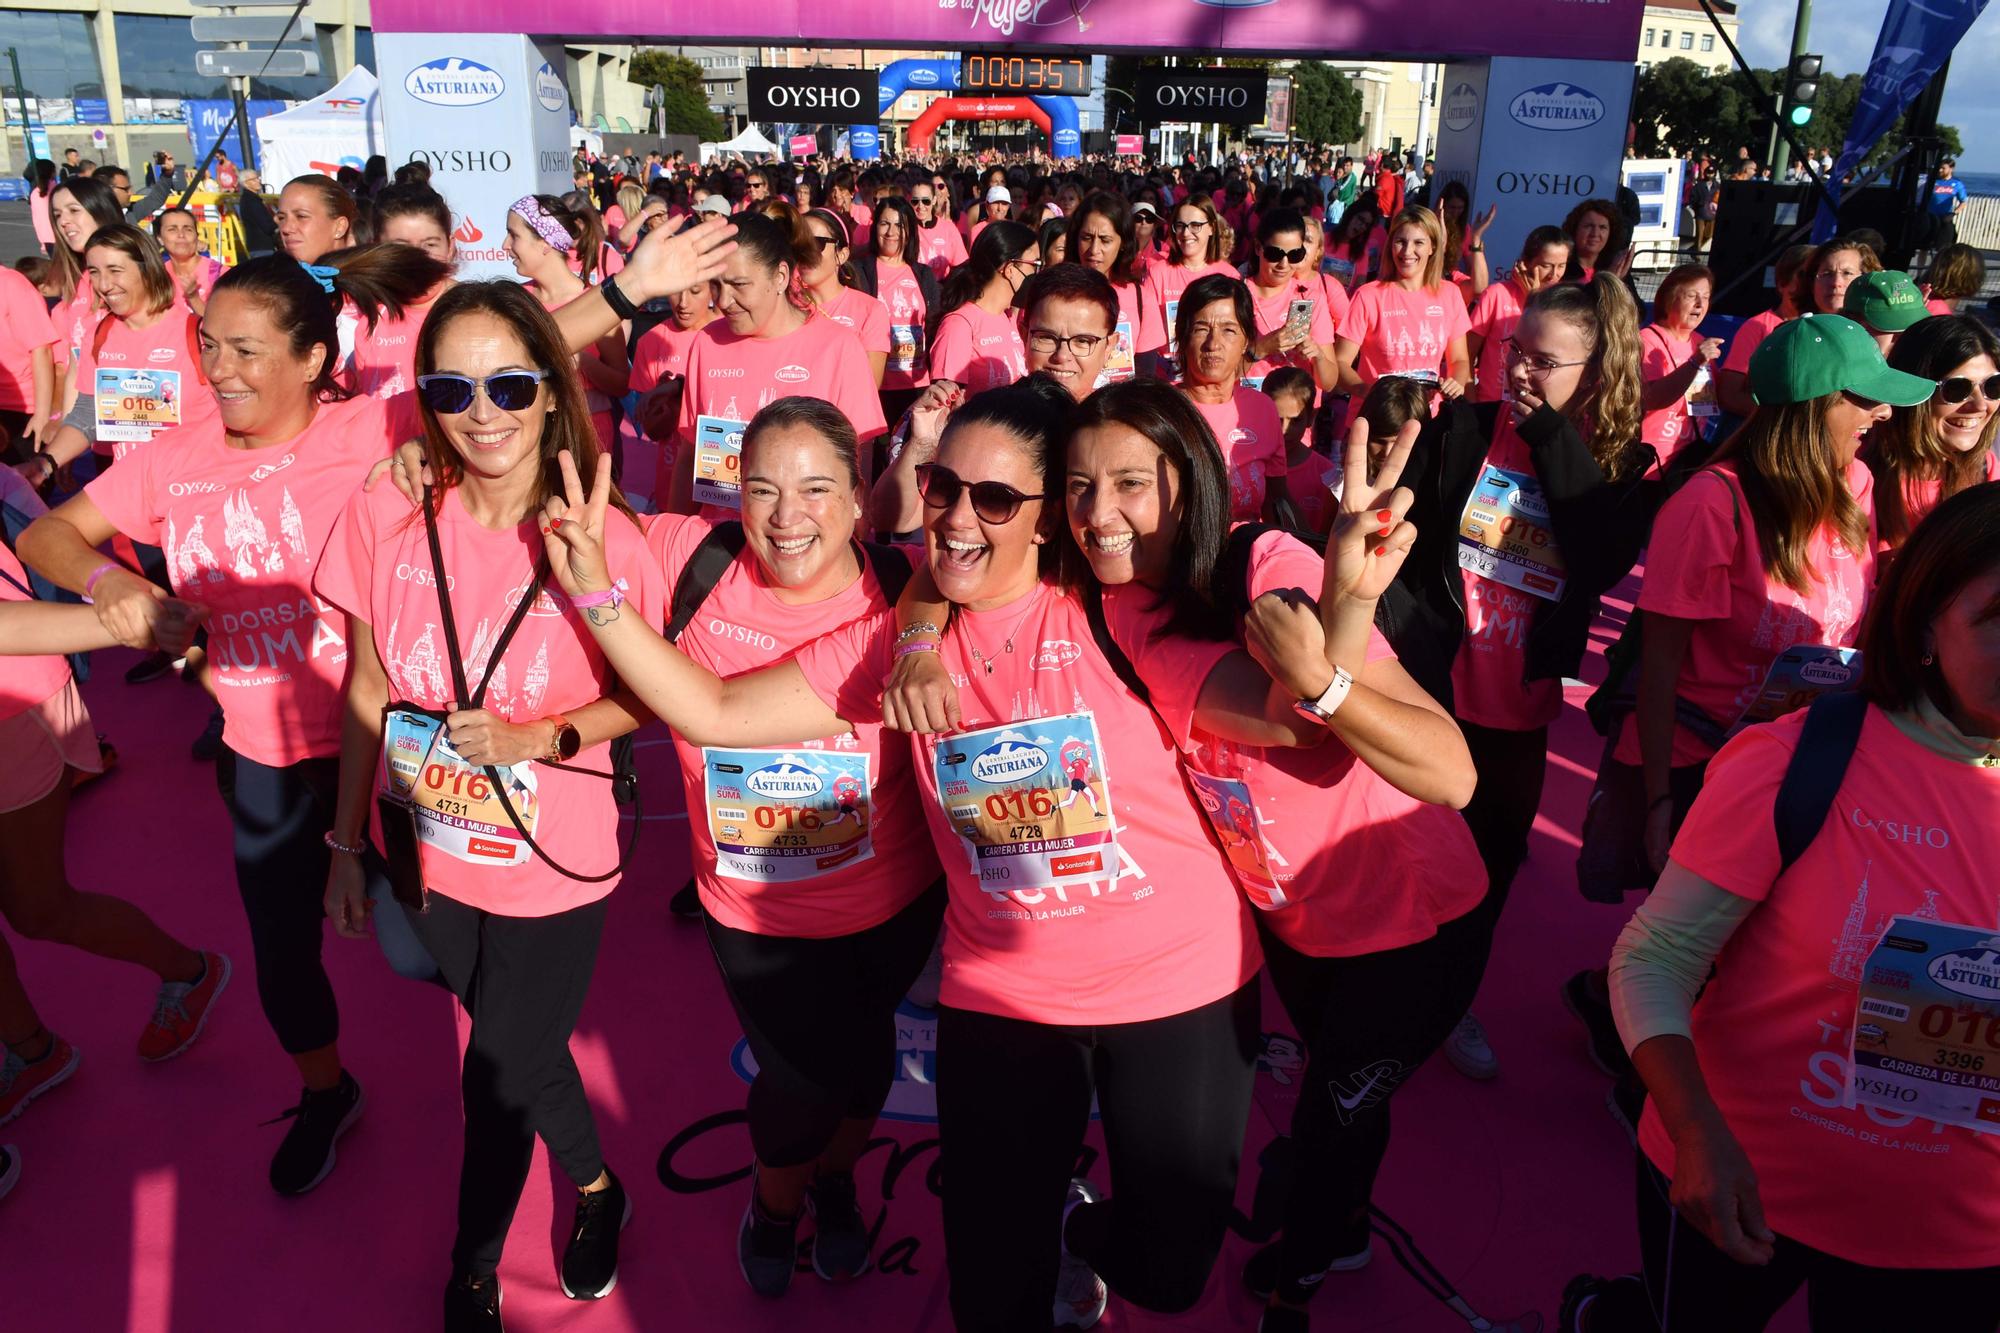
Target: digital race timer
{"points": [[1063, 75]]}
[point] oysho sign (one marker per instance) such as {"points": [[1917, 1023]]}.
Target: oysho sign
{"points": [[813, 96], [454, 81], [1557, 106], [1220, 96]]}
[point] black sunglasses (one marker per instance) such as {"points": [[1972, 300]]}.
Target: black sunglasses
{"points": [[1959, 388], [510, 390], [992, 501], [825, 242], [920, 198], [1277, 256]]}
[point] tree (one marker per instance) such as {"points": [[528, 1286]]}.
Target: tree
{"points": [[1326, 106], [685, 110], [1679, 108]]}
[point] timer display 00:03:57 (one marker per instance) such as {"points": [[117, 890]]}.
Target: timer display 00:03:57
{"points": [[1024, 74]]}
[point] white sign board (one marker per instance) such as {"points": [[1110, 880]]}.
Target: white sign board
{"points": [[1658, 182]]}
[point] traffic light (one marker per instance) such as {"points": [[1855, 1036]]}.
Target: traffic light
{"points": [[1802, 87]]}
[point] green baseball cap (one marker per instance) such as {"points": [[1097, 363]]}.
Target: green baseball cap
{"points": [[1815, 355], [1885, 302]]}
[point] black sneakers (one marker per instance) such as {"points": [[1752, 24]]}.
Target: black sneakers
{"points": [[320, 1118], [840, 1236], [767, 1248], [472, 1305], [590, 1260]]}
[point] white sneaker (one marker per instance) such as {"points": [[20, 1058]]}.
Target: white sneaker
{"points": [[1080, 1294], [1469, 1051]]}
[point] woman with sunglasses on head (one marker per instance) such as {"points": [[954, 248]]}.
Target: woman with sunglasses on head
{"points": [[1064, 975], [976, 341], [1296, 316], [1403, 324], [909, 291], [194, 273], [545, 238], [1544, 256], [1101, 237], [1510, 621], [1927, 453], [1215, 321], [1200, 245], [772, 342], [385, 356], [514, 932], [1676, 361], [829, 281]]}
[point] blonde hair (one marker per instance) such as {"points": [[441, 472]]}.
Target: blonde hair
{"points": [[1221, 239], [1427, 222], [1606, 408], [1794, 483], [631, 199]]}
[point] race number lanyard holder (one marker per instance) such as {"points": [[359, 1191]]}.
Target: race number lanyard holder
{"points": [[401, 837]]}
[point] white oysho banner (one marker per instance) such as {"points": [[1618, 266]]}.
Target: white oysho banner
{"points": [[490, 114], [1552, 134]]}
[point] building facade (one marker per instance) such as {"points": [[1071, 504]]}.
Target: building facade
{"points": [[1680, 28]]}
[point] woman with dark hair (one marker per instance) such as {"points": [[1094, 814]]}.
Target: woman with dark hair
{"points": [[1739, 988], [828, 279], [194, 273], [385, 355], [514, 932], [1927, 453], [1053, 236], [316, 216], [1596, 232], [545, 239], [41, 180], [1675, 360], [1101, 237], [1957, 274], [1068, 314], [1296, 316], [78, 208], [976, 341], [1200, 246], [1214, 326], [939, 245], [659, 368], [1355, 257], [889, 271], [1544, 256]]}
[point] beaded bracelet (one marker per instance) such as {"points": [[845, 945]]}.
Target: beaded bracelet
{"points": [[335, 844], [921, 627]]}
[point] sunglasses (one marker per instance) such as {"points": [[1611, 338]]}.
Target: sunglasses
{"points": [[992, 501], [510, 390], [1959, 388], [825, 242], [1189, 226], [920, 199], [1277, 256]]}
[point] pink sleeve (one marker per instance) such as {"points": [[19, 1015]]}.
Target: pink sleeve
{"points": [[1729, 838], [1325, 323], [128, 495], [670, 540], [874, 330], [1747, 337], [27, 313], [1336, 303], [345, 571], [402, 419], [1457, 322], [645, 586], [1175, 669], [846, 668], [1152, 311], [1656, 359], [1280, 560], [951, 354], [1362, 313], [1484, 312], [855, 392], [649, 359], [1693, 546]]}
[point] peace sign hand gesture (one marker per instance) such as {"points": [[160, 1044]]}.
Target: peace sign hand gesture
{"points": [[573, 528], [1370, 536]]}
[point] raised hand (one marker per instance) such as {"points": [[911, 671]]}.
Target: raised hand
{"points": [[1370, 536], [573, 528], [673, 257]]}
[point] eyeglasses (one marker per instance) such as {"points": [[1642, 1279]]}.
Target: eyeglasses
{"points": [[1032, 265], [1959, 388], [922, 199], [1276, 256], [510, 390], [1537, 365], [1180, 227], [992, 501], [1047, 342]]}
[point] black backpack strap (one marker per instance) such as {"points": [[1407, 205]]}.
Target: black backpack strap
{"points": [[1817, 768], [890, 566], [703, 570], [1100, 631]]}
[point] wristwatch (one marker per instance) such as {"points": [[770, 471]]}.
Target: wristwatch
{"points": [[1322, 709], [564, 744]]}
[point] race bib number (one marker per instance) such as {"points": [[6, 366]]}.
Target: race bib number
{"points": [[1504, 534], [906, 342], [1173, 338], [132, 404], [1927, 1024], [1800, 675], [1701, 400], [1255, 382], [1030, 802], [1232, 813], [1119, 365], [458, 812], [781, 816], [718, 461]]}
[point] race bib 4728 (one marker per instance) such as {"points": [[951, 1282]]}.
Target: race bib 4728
{"points": [[1030, 801]]}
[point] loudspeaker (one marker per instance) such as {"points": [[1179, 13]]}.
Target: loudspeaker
{"points": [[1751, 218]]}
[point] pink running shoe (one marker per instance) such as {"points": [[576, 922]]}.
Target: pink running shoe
{"points": [[182, 1009], [21, 1082]]}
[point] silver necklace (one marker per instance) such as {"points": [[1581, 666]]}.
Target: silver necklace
{"points": [[1007, 647]]}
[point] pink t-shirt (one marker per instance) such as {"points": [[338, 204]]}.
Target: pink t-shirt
{"points": [[1493, 318], [743, 626], [942, 247], [866, 316], [978, 349], [242, 530], [25, 328], [1163, 285], [1252, 440], [385, 360], [1704, 564], [1123, 361], [377, 567], [24, 681], [75, 318], [168, 353], [1489, 682], [1937, 307], [903, 299], [1920, 494], [1403, 332], [1748, 334], [1667, 428], [1275, 307], [732, 375], [1362, 867], [1164, 933], [660, 353], [1310, 481], [1910, 833]]}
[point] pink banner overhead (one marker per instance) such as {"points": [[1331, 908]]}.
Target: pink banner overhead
{"points": [[1576, 29]]}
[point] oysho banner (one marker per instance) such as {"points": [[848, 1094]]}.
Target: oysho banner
{"points": [[1205, 96], [813, 96]]}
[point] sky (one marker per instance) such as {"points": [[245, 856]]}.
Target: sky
{"points": [[1845, 30]]}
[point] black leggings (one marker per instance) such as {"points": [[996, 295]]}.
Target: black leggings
{"points": [[1696, 1288], [1511, 767], [820, 1017], [1013, 1103], [522, 979], [1367, 1023]]}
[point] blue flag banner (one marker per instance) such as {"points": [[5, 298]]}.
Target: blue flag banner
{"points": [[1917, 38]]}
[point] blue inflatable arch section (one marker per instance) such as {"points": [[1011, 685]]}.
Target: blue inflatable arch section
{"points": [[942, 76]]}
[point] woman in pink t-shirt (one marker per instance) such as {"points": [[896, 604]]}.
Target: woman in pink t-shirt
{"points": [[823, 895], [1101, 237], [659, 369], [1926, 454], [938, 243], [544, 235], [315, 216], [1354, 256], [1676, 361], [1597, 233], [1544, 255], [194, 273], [1095, 945], [1200, 245], [1776, 1098], [77, 208], [500, 711], [1732, 381], [908, 292], [1296, 316], [29, 344], [976, 340], [828, 280], [1412, 323], [385, 354], [1215, 323]]}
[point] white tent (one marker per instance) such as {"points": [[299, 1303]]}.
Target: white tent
{"points": [[342, 128], [744, 144]]}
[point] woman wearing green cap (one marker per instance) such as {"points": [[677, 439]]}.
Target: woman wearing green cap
{"points": [[1885, 303], [1771, 547]]}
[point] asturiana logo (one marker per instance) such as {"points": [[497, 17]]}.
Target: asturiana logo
{"points": [[1010, 759], [1557, 106], [786, 780], [549, 90], [792, 374], [1826, 673], [1461, 107], [454, 81], [923, 77], [1974, 972]]}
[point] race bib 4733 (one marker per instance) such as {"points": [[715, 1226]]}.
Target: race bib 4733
{"points": [[780, 816]]}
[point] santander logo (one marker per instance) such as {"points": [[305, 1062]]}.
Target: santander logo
{"points": [[468, 232]]}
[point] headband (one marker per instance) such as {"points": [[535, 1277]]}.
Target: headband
{"points": [[544, 222]]}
